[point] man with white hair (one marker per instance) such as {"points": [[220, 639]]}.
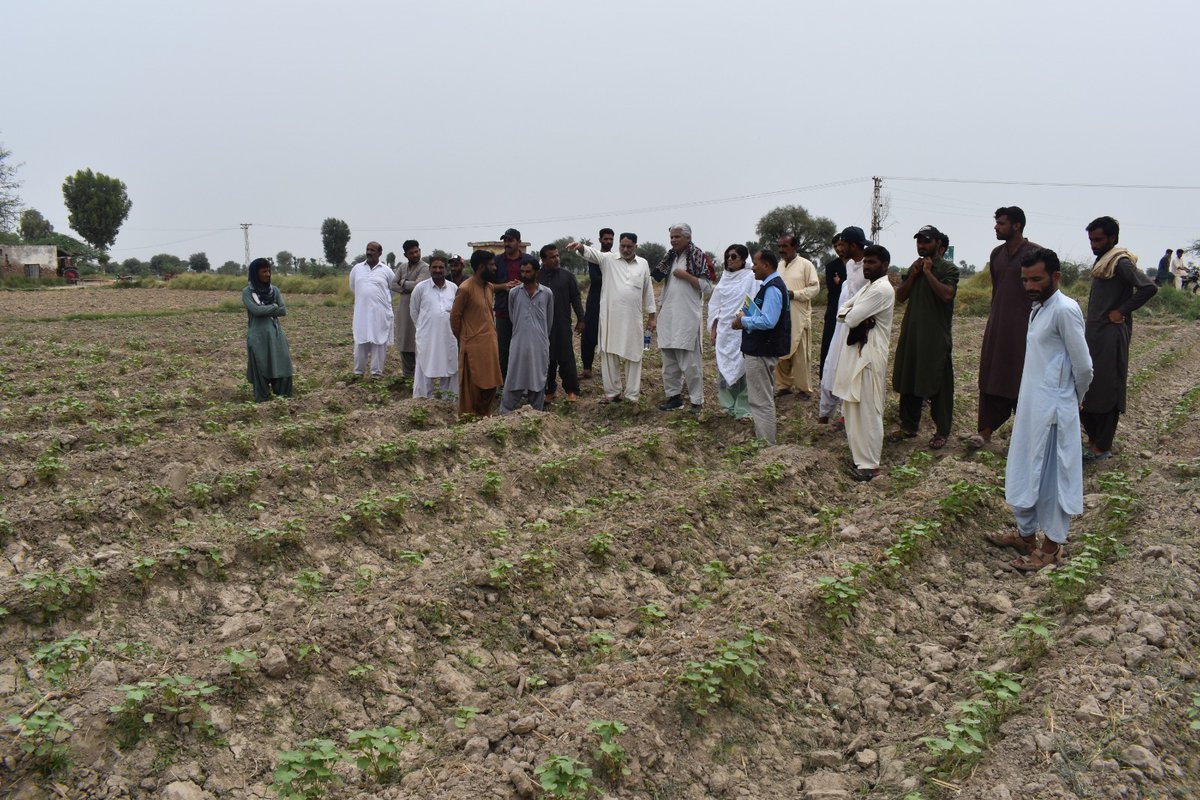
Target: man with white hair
{"points": [[688, 274]]}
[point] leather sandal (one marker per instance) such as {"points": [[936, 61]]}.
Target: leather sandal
{"points": [[1038, 559], [1012, 539]]}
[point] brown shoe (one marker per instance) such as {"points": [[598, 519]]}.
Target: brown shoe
{"points": [[549, 398], [1014, 540], [1038, 559]]}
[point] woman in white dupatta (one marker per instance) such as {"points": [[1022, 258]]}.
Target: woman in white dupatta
{"points": [[736, 284]]}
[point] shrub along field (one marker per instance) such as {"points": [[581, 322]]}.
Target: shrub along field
{"points": [[351, 594]]}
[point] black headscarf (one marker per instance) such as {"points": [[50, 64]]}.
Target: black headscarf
{"points": [[265, 292]]}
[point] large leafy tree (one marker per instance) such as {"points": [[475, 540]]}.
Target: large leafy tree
{"points": [[98, 205], [653, 252], [284, 261], [570, 260], [34, 226], [813, 234], [335, 237], [165, 262], [198, 262], [10, 201]]}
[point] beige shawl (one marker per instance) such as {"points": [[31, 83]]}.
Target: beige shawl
{"points": [[1107, 263]]}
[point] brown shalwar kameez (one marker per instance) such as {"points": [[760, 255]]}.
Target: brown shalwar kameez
{"points": [[1002, 356], [474, 326], [1126, 291]]}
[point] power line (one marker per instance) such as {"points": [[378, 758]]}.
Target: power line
{"points": [[1046, 183], [177, 241]]}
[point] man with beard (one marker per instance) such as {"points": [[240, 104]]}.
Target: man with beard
{"points": [[1003, 352], [853, 243], [688, 276], [1043, 479], [474, 326], [437, 350], [562, 341], [531, 309], [374, 321], [835, 276], [506, 278], [792, 373], [591, 316], [1118, 289], [458, 272], [924, 371], [861, 379], [405, 279], [628, 294]]}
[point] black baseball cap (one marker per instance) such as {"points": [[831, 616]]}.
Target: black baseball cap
{"points": [[928, 232], [854, 235], [511, 233]]}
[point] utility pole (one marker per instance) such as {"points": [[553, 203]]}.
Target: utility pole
{"points": [[246, 234], [876, 209]]}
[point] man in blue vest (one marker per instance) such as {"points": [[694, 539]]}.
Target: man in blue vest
{"points": [[766, 336]]}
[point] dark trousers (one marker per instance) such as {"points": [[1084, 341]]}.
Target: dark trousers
{"points": [[591, 331], [264, 387], [826, 340], [504, 335], [566, 371], [408, 363], [1101, 429], [941, 405], [994, 411]]}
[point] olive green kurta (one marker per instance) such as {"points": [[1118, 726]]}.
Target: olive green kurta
{"points": [[268, 357], [925, 341]]}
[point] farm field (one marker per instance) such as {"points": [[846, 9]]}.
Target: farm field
{"points": [[348, 594]]}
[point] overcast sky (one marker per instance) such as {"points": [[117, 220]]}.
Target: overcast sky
{"points": [[450, 121]]}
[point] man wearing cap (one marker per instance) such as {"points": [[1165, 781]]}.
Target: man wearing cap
{"points": [[1003, 352], [591, 314], [374, 320], [628, 294], [854, 241], [688, 274], [458, 271], [924, 370], [800, 276], [507, 277], [405, 279], [835, 276], [861, 379]]}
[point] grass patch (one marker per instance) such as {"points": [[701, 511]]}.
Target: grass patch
{"points": [[288, 284]]}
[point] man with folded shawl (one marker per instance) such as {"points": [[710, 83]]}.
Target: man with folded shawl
{"points": [[1118, 289], [728, 297], [268, 358], [688, 275]]}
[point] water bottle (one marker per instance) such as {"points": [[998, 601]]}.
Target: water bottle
{"points": [[646, 339]]}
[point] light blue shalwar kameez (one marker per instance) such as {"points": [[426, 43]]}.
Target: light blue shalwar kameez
{"points": [[1043, 482]]}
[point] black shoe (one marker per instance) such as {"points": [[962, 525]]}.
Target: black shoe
{"points": [[695, 408], [671, 403]]}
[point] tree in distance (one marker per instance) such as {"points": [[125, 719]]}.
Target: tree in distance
{"points": [[10, 201], [390, 259], [230, 268], [198, 262], [813, 234], [165, 262], [569, 259], [653, 252], [335, 236], [98, 205], [284, 261], [34, 226]]}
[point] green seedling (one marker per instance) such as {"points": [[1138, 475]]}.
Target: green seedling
{"points": [[564, 777], [307, 772]]}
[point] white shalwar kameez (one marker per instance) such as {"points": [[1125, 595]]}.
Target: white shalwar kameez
{"points": [[625, 295], [728, 297], [680, 334], [1043, 481], [829, 399], [436, 348], [862, 370], [374, 321]]}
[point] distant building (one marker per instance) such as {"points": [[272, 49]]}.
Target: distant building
{"points": [[33, 261]]}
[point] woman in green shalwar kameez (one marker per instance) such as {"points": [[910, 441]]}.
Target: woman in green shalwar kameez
{"points": [[268, 358]]}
